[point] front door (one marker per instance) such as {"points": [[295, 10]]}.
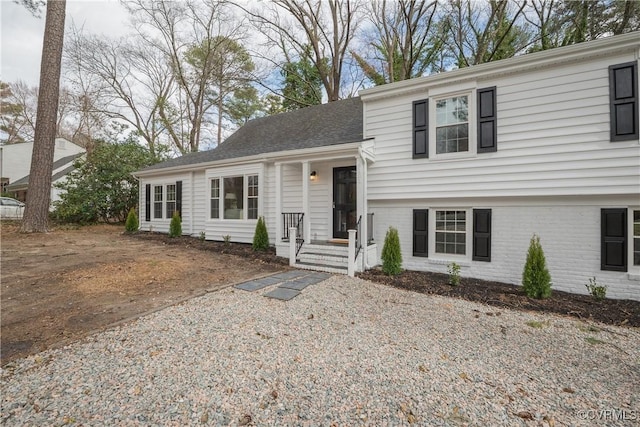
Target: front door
{"points": [[344, 201]]}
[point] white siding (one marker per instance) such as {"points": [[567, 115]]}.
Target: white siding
{"points": [[569, 231], [162, 225], [292, 187], [200, 190], [553, 139]]}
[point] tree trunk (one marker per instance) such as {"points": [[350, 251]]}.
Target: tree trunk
{"points": [[36, 214]]}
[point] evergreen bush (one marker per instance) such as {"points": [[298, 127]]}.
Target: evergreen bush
{"points": [[131, 226], [261, 236], [391, 253], [536, 279], [175, 228]]}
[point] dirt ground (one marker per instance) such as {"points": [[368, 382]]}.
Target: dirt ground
{"points": [[60, 286]]}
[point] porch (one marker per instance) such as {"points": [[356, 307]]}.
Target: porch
{"points": [[321, 213]]}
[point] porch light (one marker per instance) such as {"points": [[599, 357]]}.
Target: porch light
{"points": [[313, 175]]}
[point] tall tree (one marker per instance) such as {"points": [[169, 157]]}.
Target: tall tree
{"points": [[244, 106], [36, 214], [175, 29], [327, 27], [488, 32], [18, 106], [406, 40], [302, 83]]}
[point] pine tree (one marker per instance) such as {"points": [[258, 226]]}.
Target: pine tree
{"points": [[261, 236], [391, 253], [131, 226], [175, 228], [536, 280]]}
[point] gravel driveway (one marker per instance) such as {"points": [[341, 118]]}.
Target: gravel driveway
{"points": [[344, 352]]}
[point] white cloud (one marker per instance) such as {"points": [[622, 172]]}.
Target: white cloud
{"points": [[21, 34]]}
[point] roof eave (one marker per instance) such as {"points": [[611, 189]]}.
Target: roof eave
{"points": [[274, 156]]}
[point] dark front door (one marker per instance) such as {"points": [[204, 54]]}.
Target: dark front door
{"points": [[344, 201]]}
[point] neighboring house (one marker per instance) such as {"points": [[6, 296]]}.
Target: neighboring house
{"points": [[467, 164], [15, 159], [61, 168]]}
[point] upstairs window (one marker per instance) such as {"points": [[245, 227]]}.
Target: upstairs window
{"points": [[452, 125]]}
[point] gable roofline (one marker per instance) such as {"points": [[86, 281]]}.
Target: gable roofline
{"points": [[334, 123], [24, 181], [607, 46]]}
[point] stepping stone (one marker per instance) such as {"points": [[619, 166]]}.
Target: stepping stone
{"points": [[298, 284], [254, 285], [282, 294], [320, 276], [288, 275]]}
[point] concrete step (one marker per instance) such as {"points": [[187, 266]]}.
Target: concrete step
{"points": [[328, 268], [321, 258], [325, 249]]}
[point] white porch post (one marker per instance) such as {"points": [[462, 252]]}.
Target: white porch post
{"points": [[292, 246], [361, 203], [306, 231], [351, 254], [278, 202]]}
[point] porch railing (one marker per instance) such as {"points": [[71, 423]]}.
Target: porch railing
{"points": [[369, 228], [293, 219]]}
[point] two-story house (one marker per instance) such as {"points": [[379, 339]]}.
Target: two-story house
{"points": [[466, 164]]}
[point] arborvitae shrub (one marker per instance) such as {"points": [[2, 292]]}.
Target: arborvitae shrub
{"points": [[391, 254], [175, 228], [261, 236], [536, 279], [131, 226]]}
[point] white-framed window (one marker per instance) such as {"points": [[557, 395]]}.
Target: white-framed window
{"points": [[233, 189], [450, 232], [252, 197], [452, 124], [171, 200], [157, 201], [215, 198], [453, 131]]}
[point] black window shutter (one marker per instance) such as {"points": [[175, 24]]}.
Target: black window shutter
{"points": [[421, 232], [421, 129], [623, 95], [487, 120], [614, 239], [482, 235], [147, 202], [179, 197]]}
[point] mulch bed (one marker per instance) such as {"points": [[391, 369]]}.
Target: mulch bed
{"points": [[239, 249], [609, 311]]}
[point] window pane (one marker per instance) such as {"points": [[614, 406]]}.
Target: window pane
{"points": [[215, 208], [233, 197], [215, 188], [252, 210]]}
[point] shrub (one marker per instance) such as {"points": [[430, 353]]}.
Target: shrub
{"points": [[202, 236], [391, 254], [175, 228], [599, 292], [536, 279], [227, 240], [454, 274], [131, 226], [261, 236]]}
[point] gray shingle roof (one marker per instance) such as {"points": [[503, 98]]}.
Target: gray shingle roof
{"points": [[338, 122], [24, 181]]}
